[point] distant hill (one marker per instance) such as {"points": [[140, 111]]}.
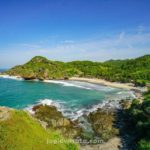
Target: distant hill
{"points": [[130, 70]]}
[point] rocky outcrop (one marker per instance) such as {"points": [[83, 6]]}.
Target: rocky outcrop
{"points": [[125, 104], [55, 120], [103, 122]]}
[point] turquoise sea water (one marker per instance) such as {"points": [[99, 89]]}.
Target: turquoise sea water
{"points": [[72, 97]]}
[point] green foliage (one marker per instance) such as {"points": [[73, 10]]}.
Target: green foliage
{"points": [[21, 131], [139, 120], [144, 145], [147, 95], [39, 68], [135, 102], [130, 70], [140, 83]]}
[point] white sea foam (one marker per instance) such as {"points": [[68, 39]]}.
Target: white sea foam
{"points": [[119, 93], [66, 111], [114, 104], [30, 109], [73, 115], [11, 77], [78, 84], [65, 83], [93, 86], [74, 112], [48, 102], [132, 94]]}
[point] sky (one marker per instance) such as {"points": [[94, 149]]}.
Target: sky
{"points": [[68, 30]]}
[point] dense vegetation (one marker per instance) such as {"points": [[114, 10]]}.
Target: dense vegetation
{"points": [[138, 122], [20, 131], [130, 70]]}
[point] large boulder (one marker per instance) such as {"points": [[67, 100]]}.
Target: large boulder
{"points": [[103, 122], [57, 121]]}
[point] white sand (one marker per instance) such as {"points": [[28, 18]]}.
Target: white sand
{"points": [[128, 86]]}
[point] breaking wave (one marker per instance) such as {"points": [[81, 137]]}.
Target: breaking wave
{"points": [[11, 77]]}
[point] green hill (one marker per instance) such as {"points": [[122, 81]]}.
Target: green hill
{"points": [[39, 67], [130, 70], [20, 131]]}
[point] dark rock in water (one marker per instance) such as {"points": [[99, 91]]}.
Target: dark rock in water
{"points": [[66, 78], [56, 120], [102, 122], [41, 79], [29, 78], [36, 107]]}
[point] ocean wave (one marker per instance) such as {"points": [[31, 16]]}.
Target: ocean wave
{"points": [[109, 104], [65, 83], [68, 112], [30, 109], [11, 77], [48, 102], [71, 113], [93, 86], [119, 93], [123, 94], [74, 112], [78, 84], [81, 84]]}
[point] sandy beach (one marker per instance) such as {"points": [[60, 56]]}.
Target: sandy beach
{"points": [[128, 86]]}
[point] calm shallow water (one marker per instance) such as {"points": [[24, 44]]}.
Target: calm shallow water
{"points": [[72, 97]]}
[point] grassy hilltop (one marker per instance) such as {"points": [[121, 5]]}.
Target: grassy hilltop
{"points": [[18, 130], [130, 70]]}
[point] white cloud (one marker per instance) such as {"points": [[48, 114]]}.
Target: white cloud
{"points": [[121, 35], [68, 42], [117, 46], [140, 29]]}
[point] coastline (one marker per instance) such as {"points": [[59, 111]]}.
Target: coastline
{"points": [[128, 86], [114, 142], [138, 91]]}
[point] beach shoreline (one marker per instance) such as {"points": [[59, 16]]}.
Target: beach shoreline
{"points": [[127, 86], [138, 91]]}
